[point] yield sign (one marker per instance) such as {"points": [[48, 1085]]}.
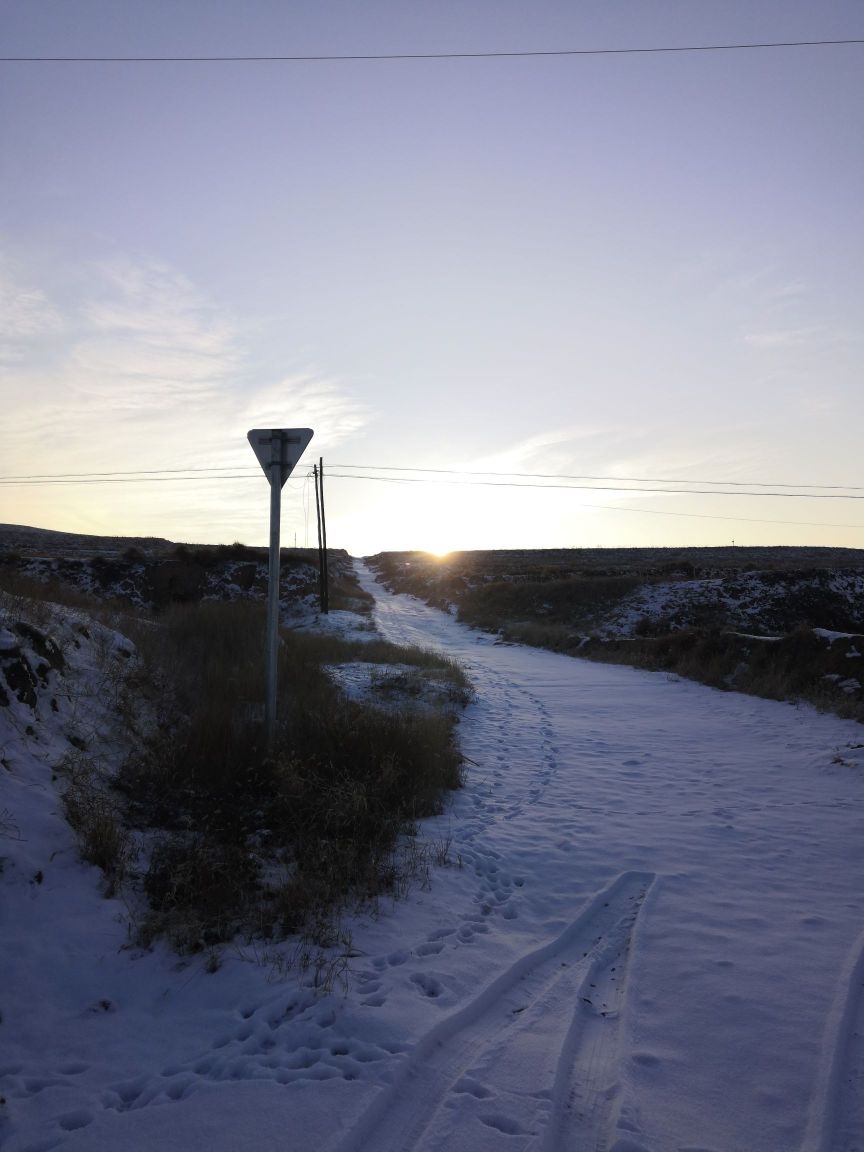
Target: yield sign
{"points": [[280, 446]]}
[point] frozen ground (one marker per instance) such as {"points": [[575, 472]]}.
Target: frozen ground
{"points": [[746, 600], [649, 940]]}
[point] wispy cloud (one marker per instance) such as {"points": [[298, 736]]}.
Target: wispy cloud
{"points": [[151, 334], [149, 352], [147, 372], [140, 356], [308, 400], [26, 315], [617, 454], [554, 450], [812, 335], [781, 337]]}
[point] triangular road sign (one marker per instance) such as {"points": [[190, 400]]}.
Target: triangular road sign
{"points": [[289, 445]]}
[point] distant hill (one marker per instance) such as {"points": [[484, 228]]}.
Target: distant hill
{"points": [[21, 538], [150, 572]]}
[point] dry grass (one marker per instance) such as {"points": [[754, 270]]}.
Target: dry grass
{"points": [[554, 602], [233, 840], [260, 844], [24, 595], [799, 666], [96, 820]]}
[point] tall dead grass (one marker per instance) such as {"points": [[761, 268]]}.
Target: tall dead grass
{"points": [[256, 843], [799, 666]]}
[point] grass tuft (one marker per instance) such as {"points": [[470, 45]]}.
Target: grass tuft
{"points": [[262, 844], [97, 822]]}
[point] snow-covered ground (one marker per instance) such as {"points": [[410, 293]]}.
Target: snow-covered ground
{"points": [[746, 600], [649, 939]]}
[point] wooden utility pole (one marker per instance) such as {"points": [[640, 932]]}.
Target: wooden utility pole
{"points": [[320, 555], [326, 568]]}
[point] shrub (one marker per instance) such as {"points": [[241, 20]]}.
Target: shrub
{"points": [[98, 825], [258, 842], [198, 889]]}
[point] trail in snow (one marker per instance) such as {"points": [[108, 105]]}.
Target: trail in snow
{"points": [[739, 806], [534, 1051], [648, 940]]}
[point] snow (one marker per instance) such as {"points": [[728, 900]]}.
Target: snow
{"points": [[756, 636], [648, 937], [338, 622], [391, 686], [745, 600], [827, 634]]}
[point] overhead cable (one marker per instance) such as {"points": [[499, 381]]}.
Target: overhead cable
{"points": [[231, 472], [384, 56], [621, 479], [599, 487], [657, 512], [297, 481]]}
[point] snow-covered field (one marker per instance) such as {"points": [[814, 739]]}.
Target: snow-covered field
{"points": [[746, 600], [649, 939]]}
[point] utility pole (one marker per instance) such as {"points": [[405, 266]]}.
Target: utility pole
{"points": [[320, 553], [278, 450], [326, 569]]}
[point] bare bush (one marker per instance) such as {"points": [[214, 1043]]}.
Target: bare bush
{"points": [[97, 822], [257, 843]]}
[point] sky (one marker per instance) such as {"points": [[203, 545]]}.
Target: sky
{"points": [[609, 266]]}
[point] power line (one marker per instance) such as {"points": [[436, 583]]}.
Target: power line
{"points": [[119, 472], [149, 479], [622, 479], [383, 56], [651, 511], [70, 479], [601, 487], [9, 483], [239, 471], [95, 478]]}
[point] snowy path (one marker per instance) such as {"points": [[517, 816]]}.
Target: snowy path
{"points": [[649, 940], [738, 1023]]}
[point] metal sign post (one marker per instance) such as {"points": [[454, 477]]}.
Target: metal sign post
{"points": [[278, 450]]}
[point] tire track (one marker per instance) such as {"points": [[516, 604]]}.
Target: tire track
{"points": [[537, 1048], [836, 1122]]}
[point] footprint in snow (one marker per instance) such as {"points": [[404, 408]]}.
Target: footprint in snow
{"points": [[73, 1069], [428, 985], [505, 1124], [440, 934], [430, 949], [78, 1118], [472, 1087]]}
